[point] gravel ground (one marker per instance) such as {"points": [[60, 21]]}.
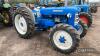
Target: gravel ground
{"points": [[12, 45]]}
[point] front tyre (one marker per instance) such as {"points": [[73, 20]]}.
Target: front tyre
{"points": [[23, 23], [64, 39]]}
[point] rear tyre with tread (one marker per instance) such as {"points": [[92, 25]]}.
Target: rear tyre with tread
{"points": [[23, 23]]}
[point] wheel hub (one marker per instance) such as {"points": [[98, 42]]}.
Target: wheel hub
{"points": [[20, 24], [62, 39]]}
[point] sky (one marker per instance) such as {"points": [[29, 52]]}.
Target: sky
{"points": [[94, 0]]}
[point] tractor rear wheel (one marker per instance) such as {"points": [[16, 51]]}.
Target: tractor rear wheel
{"points": [[86, 19], [64, 39], [23, 23]]}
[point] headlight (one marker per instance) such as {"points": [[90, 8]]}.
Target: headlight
{"points": [[76, 19], [69, 15]]}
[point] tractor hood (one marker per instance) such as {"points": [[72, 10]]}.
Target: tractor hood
{"points": [[77, 8], [58, 10], [84, 8]]}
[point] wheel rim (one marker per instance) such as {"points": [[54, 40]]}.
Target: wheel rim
{"points": [[80, 31], [84, 19], [62, 40], [20, 24]]}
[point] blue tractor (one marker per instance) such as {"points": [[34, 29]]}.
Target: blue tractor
{"points": [[84, 16], [62, 23]]}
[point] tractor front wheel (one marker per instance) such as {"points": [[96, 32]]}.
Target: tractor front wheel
{"points": [[64, 39]]}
